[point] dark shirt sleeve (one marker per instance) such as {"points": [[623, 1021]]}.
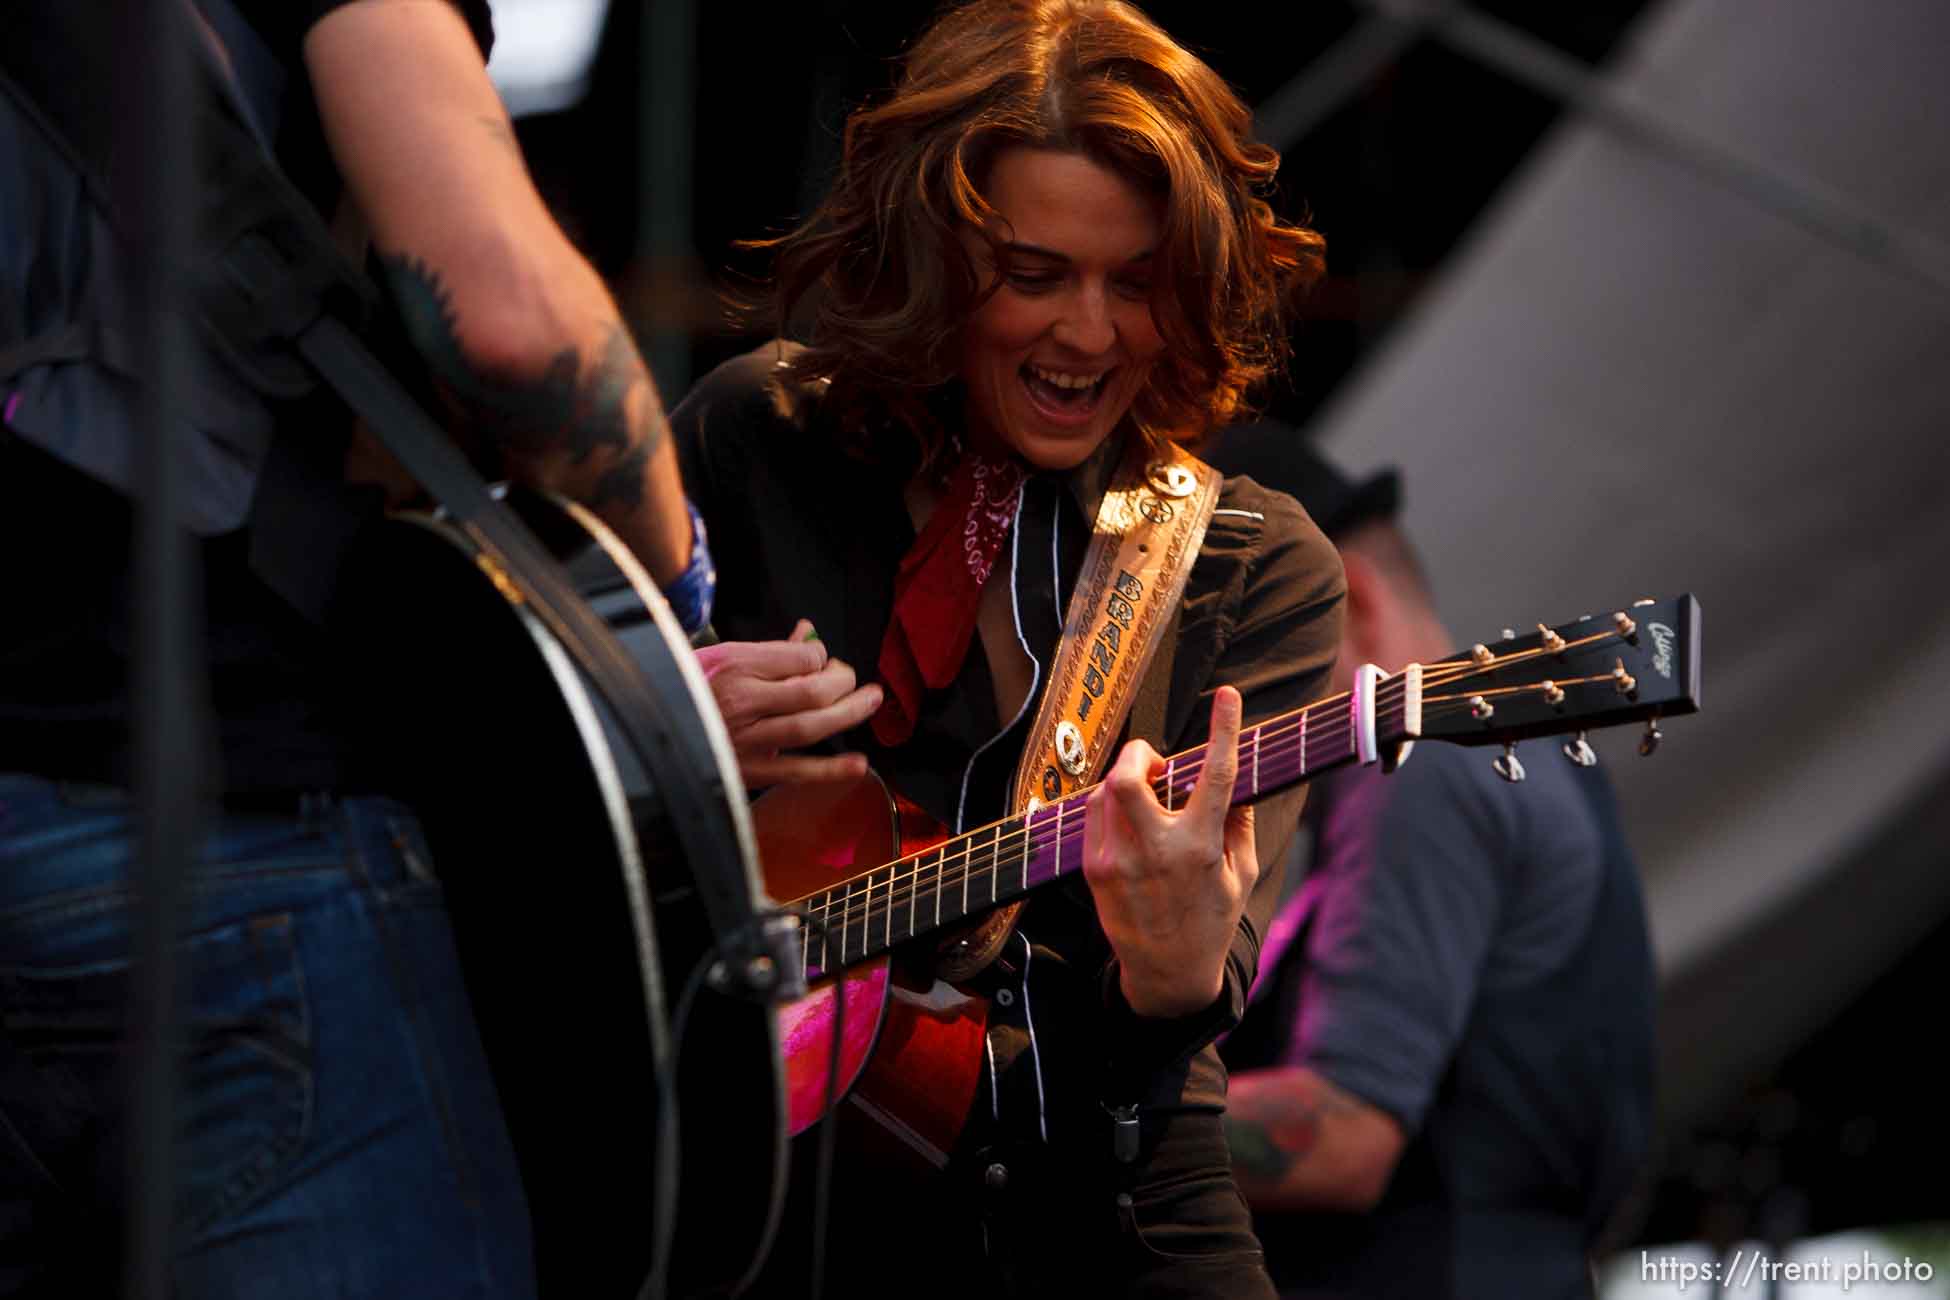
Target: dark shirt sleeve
{"points": [[283, 23], [1278, 631], [1411, 901]]}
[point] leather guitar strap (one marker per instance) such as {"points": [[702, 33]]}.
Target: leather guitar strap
{"points": [[1149, 528]]}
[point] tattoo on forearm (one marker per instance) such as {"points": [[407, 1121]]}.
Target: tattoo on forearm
{"points": [[1254, 1152], [623, 481], [1279, 1128], [578, 405]]}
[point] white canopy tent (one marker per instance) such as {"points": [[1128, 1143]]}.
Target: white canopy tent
{"points": [[1636, 379]]}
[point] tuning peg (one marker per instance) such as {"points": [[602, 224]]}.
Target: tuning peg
{"points": [[1509, 766], [1627, 626], [1650, 740], [1552, 641], [1579, 751], [1481, 709], [1509, 634], [1643, 601]]}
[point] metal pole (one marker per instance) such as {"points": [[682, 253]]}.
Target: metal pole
{"points": [[1333, 78], [664, 184], [1807, 203], [1336, 75], [169, 738]]}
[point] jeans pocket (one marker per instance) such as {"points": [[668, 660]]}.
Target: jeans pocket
{"points": [[245, 1098]]}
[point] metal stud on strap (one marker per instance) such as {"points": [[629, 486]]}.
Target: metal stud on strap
{"points": [[1069, 747], [1172, 479]]}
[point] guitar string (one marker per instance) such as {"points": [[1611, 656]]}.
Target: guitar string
{"points": [[1274, 730], [913, 889], [881, 896], [1497, 692], [877, 904], [866, 906], [1193, 763], [1440, 672], [871, 896], [906, 887], [909, 885]]}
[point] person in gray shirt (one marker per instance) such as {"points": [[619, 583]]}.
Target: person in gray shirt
{"points": [[1443, 1083]]}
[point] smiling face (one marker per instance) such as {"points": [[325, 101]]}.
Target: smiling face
{"points": [[1056, 355]]}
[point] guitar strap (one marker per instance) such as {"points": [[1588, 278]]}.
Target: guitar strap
{"points": [[1148, 531]]}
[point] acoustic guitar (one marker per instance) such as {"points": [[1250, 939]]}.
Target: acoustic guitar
{"points": [[870, 872]]}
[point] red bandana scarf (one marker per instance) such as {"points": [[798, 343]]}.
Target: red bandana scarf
{"points": [[938, 589]]}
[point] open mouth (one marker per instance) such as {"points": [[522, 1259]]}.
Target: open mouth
{"points": [[1063, 395]]}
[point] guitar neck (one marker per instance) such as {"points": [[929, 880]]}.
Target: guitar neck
{"points": [[1635, 666], [974, 872]]}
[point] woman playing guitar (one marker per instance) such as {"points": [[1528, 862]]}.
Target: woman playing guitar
{"points": [[1045, 248]]}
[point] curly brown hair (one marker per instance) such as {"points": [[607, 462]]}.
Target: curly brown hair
{"points": [[890, 282]]}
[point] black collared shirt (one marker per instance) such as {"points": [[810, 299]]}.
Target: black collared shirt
{"points": [[800, 529]]}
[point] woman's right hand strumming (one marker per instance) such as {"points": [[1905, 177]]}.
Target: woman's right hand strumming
{"points": [[780, 696]]}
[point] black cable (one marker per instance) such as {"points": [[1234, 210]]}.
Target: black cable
{"points": [[824, 1172], [665, 1183], [828, 1128], [663, 1206]]}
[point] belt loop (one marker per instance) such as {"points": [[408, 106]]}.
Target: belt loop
{"points": [[314, 812]]}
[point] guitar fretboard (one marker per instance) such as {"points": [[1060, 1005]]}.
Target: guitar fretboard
{"points": [[975, 871]]}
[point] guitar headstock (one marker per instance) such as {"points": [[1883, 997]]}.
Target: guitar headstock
{"points": [[1633, 665]]}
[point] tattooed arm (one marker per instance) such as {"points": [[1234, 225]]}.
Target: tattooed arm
{"points": [[521, 335], [1300, 1143]]}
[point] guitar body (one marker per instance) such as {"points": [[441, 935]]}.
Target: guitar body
{"points": [[575, 920], [910, 1045]]}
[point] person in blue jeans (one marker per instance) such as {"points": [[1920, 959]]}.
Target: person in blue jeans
{"points": [[340, 1133]]}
